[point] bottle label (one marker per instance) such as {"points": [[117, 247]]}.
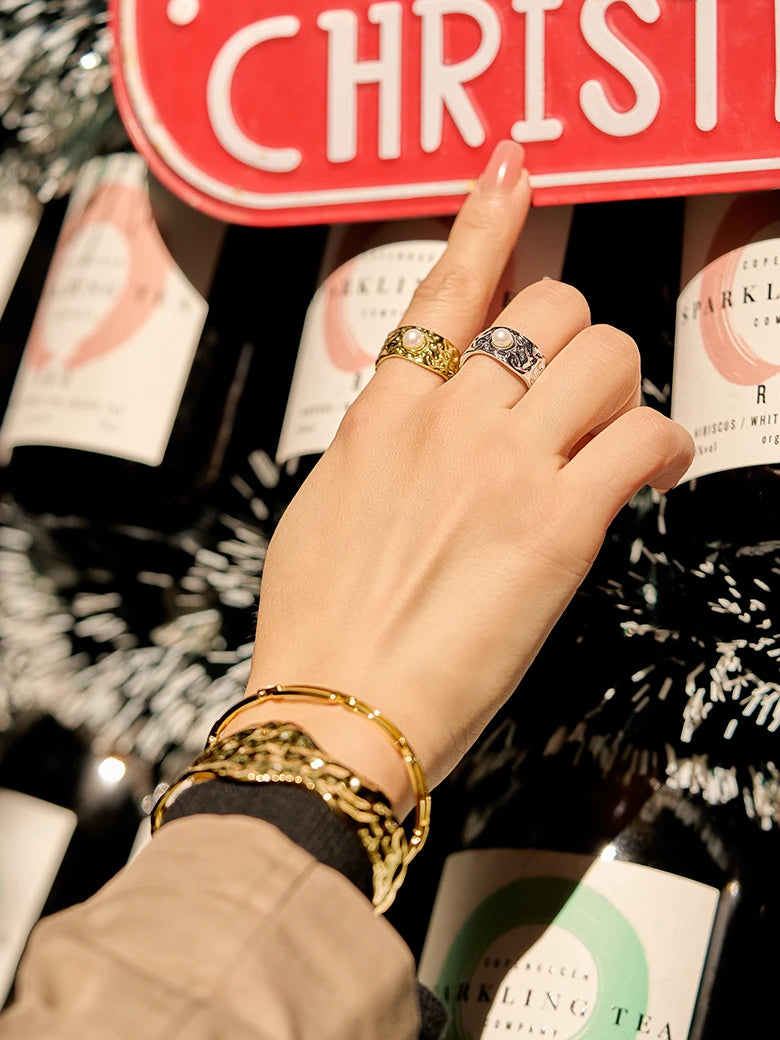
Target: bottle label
{"points": [[533, 943], [362, 301], [34, 836], [116, 329], [726, 385], [350, 314], [17, 230]]}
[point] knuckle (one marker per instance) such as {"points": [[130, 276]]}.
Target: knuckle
{"points": [[619, 348], [560, 297], [657, 434], [488, 216], [448, 283]]}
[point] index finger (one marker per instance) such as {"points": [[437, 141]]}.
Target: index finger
{"points": [[453, 299]]}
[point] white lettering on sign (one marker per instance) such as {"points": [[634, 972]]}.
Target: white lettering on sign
{"points": [[442, 83], [535, 126], [593, 97], [182, 12], [706, 89], [220, 85], [345, 72], [522, 40]]}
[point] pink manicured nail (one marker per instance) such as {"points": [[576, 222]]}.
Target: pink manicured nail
{"points": [[504, 167]]}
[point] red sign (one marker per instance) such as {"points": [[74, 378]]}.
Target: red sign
{"points": [[294, 111]]}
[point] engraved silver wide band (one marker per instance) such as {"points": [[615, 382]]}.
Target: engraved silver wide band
{"points": [[512, 349]]}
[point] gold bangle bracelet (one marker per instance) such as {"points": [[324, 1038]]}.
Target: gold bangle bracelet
{"points": [[322, 695]]}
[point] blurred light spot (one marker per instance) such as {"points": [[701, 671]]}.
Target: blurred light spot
{"points": [[111, 770]]}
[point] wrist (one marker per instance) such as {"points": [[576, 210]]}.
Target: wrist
{"points": [[405, 694]]}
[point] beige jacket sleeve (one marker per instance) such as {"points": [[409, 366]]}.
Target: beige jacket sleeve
{"points": [[220, 927]]}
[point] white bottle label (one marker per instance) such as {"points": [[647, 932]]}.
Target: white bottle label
{"points": [[116, 329], [17, 229], [34, 836], [726, 386], [353, 309], [535, 943], [358, 304]]}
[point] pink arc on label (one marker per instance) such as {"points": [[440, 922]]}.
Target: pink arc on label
{"points": [[342, 345], [128, 210], [729, 351]]}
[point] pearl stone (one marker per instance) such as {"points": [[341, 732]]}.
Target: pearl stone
{"points": [[412, 339], [502, 338]]}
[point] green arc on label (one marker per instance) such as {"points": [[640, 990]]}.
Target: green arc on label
{"points": [[589, 916]]}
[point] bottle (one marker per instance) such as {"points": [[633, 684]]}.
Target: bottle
{"points": [[607, 858], [28, 231], [367, 276], [726, 382], [69, 813], [586, 902], [606, 882], [138, 356]]}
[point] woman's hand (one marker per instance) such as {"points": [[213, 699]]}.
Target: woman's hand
{"points": [[436, 543]]}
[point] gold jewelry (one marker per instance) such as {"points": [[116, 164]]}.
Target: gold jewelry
{"points": [[279, 752], [426, 348], [319, 694]]}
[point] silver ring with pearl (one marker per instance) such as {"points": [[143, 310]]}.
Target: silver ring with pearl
{"points": [[510, 348]]}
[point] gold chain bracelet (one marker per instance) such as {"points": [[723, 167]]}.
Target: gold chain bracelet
{"points": [[280, 752]]}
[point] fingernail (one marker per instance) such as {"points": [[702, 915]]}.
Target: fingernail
{"points": [[504, 167]]}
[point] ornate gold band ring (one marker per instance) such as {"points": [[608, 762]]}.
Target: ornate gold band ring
{"points": [[426, 348]]}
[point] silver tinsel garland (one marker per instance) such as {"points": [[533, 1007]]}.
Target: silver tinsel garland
{"points": [[56, 103], [136, 638]]}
